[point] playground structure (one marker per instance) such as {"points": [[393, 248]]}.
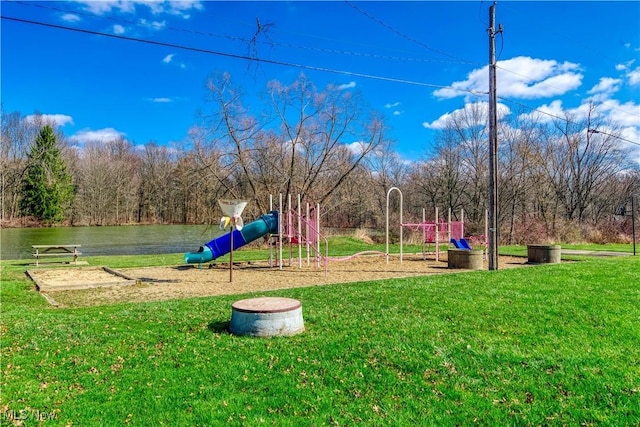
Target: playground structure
{"points": [[299, 230], [281, 227], [437, 232], [290, 228]]}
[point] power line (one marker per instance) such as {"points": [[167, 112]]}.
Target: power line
{"points": [[369, 55], [573, 42], [613, 136], [546, 113], [554, 87], [403, 35], [126, 21], [243, 40], [237, 56], [326, 50], [288, 64], [462, 60]]}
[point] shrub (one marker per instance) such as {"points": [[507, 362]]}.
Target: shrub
{"points": [[530, 230]]}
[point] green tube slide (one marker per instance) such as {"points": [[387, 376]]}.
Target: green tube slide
{"points": [[222, 245]]}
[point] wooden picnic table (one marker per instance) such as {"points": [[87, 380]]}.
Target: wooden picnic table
{"points": [[56, 251]]}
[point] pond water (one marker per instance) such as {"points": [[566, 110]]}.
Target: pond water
{"points": [[15, 243]]}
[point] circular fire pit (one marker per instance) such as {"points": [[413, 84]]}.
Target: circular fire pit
{"points": [[464, 258], [544, 254], [266, 317]]}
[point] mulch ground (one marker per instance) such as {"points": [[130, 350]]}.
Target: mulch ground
{"points": [[188, 281]]}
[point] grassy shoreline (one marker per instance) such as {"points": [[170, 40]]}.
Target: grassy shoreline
{"points": [[550, 345]]}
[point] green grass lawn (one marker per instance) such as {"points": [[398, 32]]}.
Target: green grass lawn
{"points": [[545, 345], [521, 250]]}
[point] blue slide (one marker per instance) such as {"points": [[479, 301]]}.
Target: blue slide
{"points": [[461, 244], [222, 245]]}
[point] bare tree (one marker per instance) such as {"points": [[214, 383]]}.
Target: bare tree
{"points": [[455, 174], [155, 190], [440, 177], [192, 191], [108, 183], [581, 160], [520, 163], [384, 169], [307, 142]]}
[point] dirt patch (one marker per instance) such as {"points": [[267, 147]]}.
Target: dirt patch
{"points": [[165, 283], [61, 279]]}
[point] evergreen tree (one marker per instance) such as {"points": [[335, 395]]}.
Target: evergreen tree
{"points": [[47, 188]]}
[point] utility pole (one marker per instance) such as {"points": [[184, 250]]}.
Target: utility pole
{"points": [[493, 143]]}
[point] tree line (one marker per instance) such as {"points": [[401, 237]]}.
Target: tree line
{"points": [[560, 178]]}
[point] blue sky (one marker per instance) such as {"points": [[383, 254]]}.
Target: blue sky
{"points": [[415, 62]]}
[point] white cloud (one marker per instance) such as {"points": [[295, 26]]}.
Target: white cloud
{"points": [[71, 17], [626, 115], [56, 119], [468, 109], [357, 147], [634, 76], [394, 105], [631, 133], [439, 123], [347, 86], [520, 77], [606, 87], [156, 7], [118, 29], [106, 134], [180, 8], [606, 84], [154, 25], [106, 6], [552, 86], [546, 113], [183, 7], [161, 100], [169, 59], [627, 138], [626, 66]]}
